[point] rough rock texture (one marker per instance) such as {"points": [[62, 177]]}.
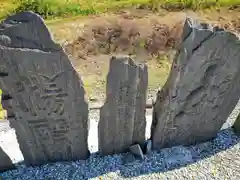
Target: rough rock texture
{"points": [[122, 117], [236, 125], [44, 92], [27, 30], [5, 161], [202, 89], [19, 31]]}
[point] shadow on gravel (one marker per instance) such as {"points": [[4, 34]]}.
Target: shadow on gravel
{"points": [[125, 165]]}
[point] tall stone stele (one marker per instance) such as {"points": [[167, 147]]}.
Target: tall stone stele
{"points": [[122, 117], [44, 92], [202, 88]]}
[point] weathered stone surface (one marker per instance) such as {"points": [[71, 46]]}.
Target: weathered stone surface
{"points": [[5, 161], [122, 117], [236, 125], [202, 89], [27, 30], [46, 94], [24, 30]]}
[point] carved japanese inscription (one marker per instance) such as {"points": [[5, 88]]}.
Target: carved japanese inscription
{"points": [[122, 118], [49, 105], [50, 111], [202, 89]]}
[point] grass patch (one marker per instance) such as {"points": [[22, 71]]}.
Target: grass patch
{"points": [[50, 9], [173, 5], [6, 6]]}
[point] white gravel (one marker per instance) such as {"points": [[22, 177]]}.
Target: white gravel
{"points": [[216, 159]]}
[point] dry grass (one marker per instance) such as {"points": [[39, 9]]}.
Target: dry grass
{"points": [[145, 36], [121, 34], [103, 36]]}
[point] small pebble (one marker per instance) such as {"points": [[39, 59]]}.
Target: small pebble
{"points": [[136, 151]]}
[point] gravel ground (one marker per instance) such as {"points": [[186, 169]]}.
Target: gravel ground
{"points": [[216, 159]]}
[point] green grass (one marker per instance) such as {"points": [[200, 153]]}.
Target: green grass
{"points": [[51, 9]]}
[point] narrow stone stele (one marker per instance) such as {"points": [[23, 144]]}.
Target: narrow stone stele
{"points": [[122, 117]]}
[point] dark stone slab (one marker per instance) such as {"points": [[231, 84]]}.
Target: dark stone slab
{"points": [[122, 117]]}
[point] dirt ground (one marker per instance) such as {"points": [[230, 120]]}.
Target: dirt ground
{"points": [[147, 37]]}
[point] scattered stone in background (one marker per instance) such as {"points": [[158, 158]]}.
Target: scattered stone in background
{"points": [[122, 117]]}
